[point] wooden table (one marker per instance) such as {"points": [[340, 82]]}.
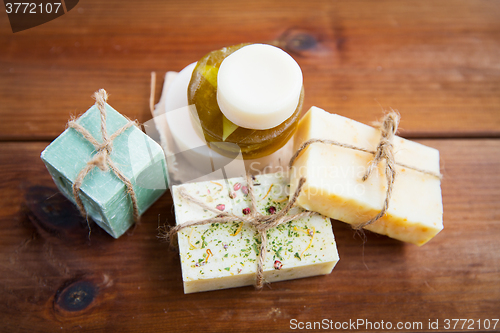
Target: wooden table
{"points": [[437, 62]]}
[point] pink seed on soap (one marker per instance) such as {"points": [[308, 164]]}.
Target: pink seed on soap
{"points": [[244, 189], [232, 195], [246, 211], [271, 210], [237, 186], [277, 264], [221, 207]]}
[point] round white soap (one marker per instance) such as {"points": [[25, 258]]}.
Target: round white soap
{"points": [[258, 86]]}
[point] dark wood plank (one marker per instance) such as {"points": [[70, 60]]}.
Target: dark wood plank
{"points": [[49, 265], [438, 63]]}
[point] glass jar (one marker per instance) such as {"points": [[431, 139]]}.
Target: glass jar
{"points": [[221, 134]]}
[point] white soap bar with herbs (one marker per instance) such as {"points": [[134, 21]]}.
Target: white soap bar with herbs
{"points": [[221, 255], [334, 185]]}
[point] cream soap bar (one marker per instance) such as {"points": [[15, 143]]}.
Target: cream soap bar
{"points": [[334, 186], [258, 86], [224, 255]]}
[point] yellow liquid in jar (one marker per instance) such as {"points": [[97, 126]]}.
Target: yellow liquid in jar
{"points": [[202, 92]]}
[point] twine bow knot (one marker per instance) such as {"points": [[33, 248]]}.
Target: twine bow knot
{"points": [[385, 147]]}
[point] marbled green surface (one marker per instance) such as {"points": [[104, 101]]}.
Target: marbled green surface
{"points": [[103, 194]]}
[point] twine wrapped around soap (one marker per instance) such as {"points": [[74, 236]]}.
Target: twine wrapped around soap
{"points": [[262, 223], [385, 151], [102, 158]]}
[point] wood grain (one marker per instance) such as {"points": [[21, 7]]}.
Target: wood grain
{"points": [[438, 63], [134, 283]]}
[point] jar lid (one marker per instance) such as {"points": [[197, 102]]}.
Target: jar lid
{"points": [[258, 86]]}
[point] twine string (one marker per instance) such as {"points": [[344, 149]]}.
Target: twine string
{"points": [[262, 223], [102, 158], [385, 151]]}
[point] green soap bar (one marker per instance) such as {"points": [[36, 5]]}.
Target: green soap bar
{"points": [[103, 194]]}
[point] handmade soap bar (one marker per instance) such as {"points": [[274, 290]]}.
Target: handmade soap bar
{"points": [[335, 188], [104, 196], [223, 255], [258, 86]]}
